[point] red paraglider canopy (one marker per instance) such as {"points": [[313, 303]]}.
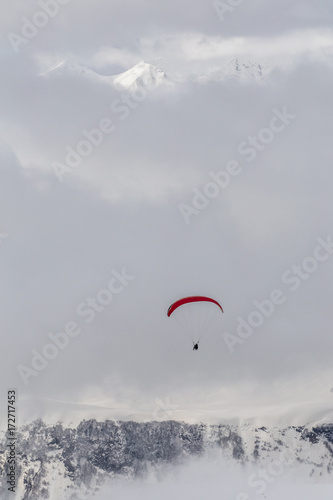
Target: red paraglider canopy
{"points": [[188, 300]]}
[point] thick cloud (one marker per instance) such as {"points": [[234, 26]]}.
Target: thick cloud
{"points": [[215, 478], [83, 27]]}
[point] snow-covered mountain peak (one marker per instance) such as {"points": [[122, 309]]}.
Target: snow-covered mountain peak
{"points": [[247, 70], [236, 69], [142, 74], [65, 68], [146, 75]]}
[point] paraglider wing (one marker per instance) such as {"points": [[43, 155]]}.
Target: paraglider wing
{"points": [[188, 300]]}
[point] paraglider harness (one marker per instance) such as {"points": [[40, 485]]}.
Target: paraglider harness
{"points": [[196, 346]]}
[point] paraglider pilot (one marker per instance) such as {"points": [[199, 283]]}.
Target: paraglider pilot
{"points": [[195, 346]]}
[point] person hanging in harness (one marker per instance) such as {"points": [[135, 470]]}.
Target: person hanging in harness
{"points": [[196, 346]]}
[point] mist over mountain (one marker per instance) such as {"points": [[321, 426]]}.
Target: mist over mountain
{"points": [[54, 461]]}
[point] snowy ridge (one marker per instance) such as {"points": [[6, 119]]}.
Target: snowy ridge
{"points": [[247, 70], [147, 75], [67, 69], [236, 70], [142, 74], [56, 462]]}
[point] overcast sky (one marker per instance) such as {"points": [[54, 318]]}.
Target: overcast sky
{"points": [[61, 242]]}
